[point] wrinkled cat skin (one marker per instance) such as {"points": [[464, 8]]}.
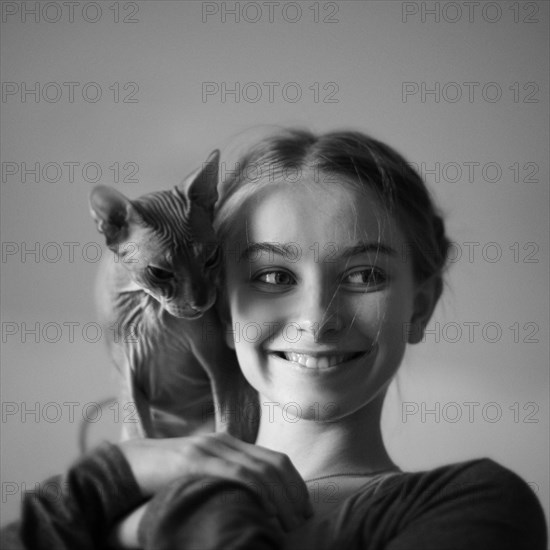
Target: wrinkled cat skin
{"points": [[155, 293]]}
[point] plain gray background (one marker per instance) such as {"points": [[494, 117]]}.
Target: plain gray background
{"points": [[361, 65]]}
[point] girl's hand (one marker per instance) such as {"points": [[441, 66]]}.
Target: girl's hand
{"points": [[125, 533], [157, 462]]}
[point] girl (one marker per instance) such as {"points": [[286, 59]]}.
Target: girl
{"points": [[334, 256]]}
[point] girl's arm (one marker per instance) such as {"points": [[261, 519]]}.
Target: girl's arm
{"points": [[212, 468], [109, 483], [209, 513], [80, 508]]}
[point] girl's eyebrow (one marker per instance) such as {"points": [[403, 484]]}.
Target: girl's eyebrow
{"points": [[286, 249], [271, 248], [362, 247]]}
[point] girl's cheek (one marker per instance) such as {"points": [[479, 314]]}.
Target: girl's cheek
{"points": [[251, 303], [367, 310]]}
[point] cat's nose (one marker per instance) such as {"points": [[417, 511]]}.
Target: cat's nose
{"points": [[204, 299], [198, 295]]}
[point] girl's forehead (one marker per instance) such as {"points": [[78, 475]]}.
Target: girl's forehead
{"points": [[331, 212]]}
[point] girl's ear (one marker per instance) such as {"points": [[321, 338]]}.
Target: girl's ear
{"points": [[426, 298]]}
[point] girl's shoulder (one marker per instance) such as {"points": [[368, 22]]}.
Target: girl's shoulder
{"points": [[470, 502], [479, 477]]}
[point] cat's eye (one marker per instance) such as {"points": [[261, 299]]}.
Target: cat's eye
{"points": [[159, 274], [213, 258]]}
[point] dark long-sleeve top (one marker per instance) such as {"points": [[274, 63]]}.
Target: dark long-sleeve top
{"points": [[476, 504]]}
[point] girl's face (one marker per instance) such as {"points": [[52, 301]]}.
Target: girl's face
{"points": [[320, 297]]}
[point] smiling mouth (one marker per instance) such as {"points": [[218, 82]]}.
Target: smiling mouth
{"points": [[319, 361]]}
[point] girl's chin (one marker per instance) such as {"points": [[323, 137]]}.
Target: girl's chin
{"points": [[296, 406]]}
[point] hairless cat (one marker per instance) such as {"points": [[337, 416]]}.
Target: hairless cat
{"points": [[155, 293]]}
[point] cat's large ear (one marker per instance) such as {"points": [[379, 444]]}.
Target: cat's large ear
{"points": [[112, 212], [201, 186]]}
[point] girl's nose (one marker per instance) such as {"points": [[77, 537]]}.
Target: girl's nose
{"points": [[319, 314]]}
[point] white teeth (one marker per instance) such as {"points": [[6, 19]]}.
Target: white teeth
{"points": [[317, 362]]}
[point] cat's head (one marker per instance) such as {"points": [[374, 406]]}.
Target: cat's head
{"points": [[166, 240]]}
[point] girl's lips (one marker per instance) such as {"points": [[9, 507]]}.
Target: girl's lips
{"points": [[319, 361]]}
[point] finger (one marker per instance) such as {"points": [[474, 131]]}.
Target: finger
{"points": [[269, 473], [279, 461], [222, 467], [125, 533]]}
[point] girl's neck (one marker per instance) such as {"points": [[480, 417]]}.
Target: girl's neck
{"points": [[349, 445]]}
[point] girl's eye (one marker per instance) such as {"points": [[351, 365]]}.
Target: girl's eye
{"points": [[276, 278], [159, 274], [369, 277]]}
